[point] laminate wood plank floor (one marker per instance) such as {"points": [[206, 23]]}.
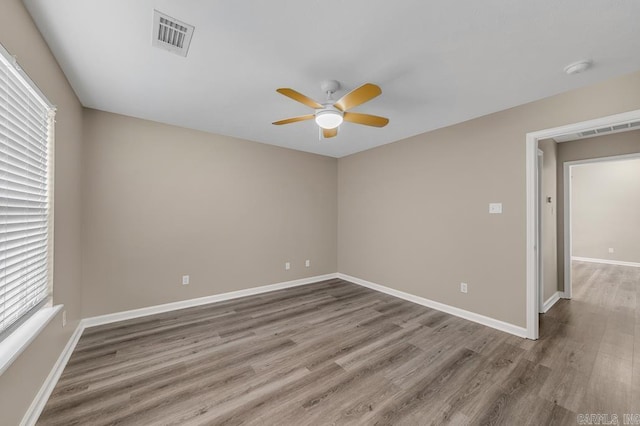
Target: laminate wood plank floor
{"points": [[337, 353]]}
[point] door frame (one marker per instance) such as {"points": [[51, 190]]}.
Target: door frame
{"points": [[539, 230], [531, 168]]}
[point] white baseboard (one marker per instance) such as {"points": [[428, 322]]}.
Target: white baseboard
{"points": [[552, 301], [31, 416], [37, 405], [468, 315], [606, 261], [157, 309]]}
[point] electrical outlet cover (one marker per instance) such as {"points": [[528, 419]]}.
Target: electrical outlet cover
{"points": [[495, 208]]}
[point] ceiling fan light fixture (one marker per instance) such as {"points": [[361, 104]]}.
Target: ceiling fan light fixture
{"points": [[328, 119]]}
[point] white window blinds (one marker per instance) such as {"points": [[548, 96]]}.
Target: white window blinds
{"points": [[26, 130]]}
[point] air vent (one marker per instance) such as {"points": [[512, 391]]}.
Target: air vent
{"points": [[171, 34], [617, 128]]}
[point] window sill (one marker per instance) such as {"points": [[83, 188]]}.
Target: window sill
{"points": [[15, 343]]}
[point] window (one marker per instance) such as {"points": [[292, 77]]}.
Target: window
{"points": [[26, 136]]}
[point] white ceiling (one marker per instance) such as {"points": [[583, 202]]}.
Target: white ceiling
{"points": [[437, 62]]}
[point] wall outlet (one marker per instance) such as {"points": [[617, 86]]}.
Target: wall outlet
{"points": [[610, 249], [64, 318], [463, 287], [495, 208], [287, 266], [185, 279], [307, 263]]}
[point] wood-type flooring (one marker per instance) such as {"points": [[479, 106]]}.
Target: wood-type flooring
{"points": [[337, 353]]}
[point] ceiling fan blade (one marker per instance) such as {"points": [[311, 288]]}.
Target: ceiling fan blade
{"points": [[329, 133], [366, 119], [294, 119], [297, 96], [358, 96]]}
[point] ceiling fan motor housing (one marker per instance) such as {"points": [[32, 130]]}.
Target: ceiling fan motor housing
{"points": [[330, 86]]}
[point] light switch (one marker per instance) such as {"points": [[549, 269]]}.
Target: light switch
{"points": [[495, 208]]}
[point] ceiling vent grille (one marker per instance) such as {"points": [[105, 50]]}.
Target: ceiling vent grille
{"points": [[617, 128], [171, 34]]}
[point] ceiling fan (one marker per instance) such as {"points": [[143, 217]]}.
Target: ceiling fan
{"points": [[331, 114]]}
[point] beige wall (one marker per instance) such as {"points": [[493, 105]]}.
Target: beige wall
{"points": [[601, 146], [605, 210], [162, 201], [413, 215], [19, 384], [549, 220]]}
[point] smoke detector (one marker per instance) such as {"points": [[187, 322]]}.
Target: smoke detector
{"points": [[171, 34], [578, 67]]}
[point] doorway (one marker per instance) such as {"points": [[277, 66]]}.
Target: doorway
{"points": [[533, 276], [590, 249]]}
